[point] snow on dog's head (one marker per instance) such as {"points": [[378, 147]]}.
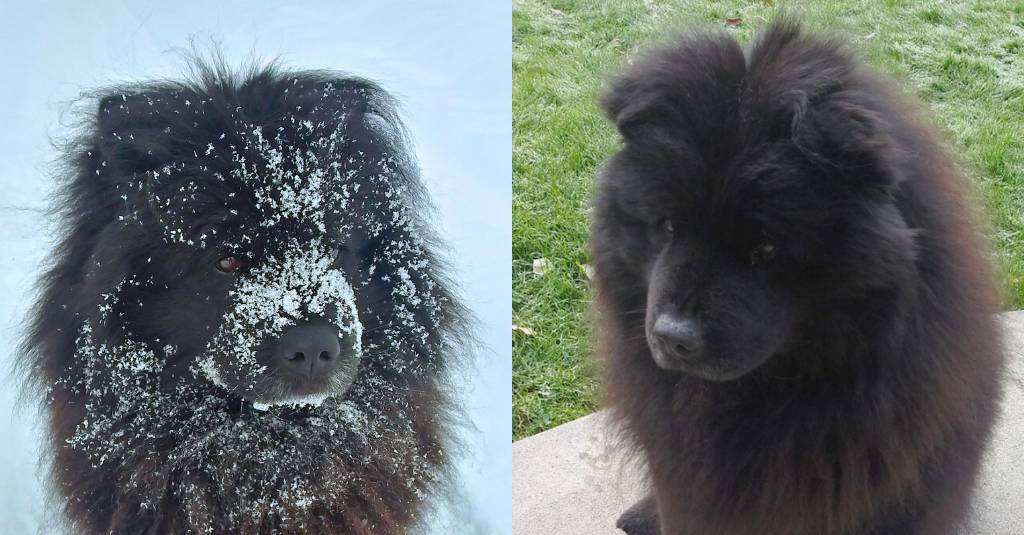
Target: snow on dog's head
{"points": [[297, 190], [292, 220], [256, 243]]}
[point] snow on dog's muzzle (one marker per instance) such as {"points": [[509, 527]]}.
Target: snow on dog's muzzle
{"points": [[292, 334]]}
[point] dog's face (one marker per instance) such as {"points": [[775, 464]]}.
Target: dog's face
{"points": [[721, 271], [251, 242], [732, 219], [272, 254]]}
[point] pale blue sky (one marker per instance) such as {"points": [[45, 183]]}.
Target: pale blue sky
{"points": [[447, 62]]}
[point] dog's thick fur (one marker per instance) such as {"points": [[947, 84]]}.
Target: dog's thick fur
{"points": [[785, 201], [142, 347]]}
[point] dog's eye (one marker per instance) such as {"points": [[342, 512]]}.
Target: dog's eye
{"points": [[660, 231], [337, 255], [230, 264], [764, 252]]}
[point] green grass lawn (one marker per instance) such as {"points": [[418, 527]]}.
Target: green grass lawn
{"points": [[965, 59]]}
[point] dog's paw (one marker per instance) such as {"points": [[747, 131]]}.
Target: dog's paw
{"points": [[640, 519]]}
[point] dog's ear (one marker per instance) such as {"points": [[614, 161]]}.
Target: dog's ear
{"points": [[352, 105], [116, 111], [133, 128], [622, 107], [634, 110], [851, 136], [346, 99], [689, 88]]}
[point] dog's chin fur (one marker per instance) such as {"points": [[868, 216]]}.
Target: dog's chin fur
{"points": [[875, 298], [712, 370], [154, 426]]}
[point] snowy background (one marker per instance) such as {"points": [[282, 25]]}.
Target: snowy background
{"points": [[448, 64]]}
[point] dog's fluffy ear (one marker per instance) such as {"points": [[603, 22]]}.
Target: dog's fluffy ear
{"points": [[352, 103], [116, 111], [853, 137], [688, 88], [812, 91], [347, 99], [133, 129]]}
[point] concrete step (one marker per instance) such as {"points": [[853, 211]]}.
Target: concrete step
{"points": [[571, 481]]}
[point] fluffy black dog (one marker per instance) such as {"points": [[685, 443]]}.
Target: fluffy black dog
{"points": [[797, 309], [245, 328]]}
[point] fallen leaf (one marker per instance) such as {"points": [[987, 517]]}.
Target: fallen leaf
{"points": [[588, 270], [734, 21], [540, 266], [525, 330]]}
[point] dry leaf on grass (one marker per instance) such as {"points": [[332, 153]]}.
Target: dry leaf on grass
{"points": [[541, 266], [734, 21], [525, 330], [588, 271]]}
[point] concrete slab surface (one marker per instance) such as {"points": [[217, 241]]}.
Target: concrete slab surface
{"points": [[571, 481]]}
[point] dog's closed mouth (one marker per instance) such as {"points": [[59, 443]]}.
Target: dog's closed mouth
{"points": [[309, 400]]}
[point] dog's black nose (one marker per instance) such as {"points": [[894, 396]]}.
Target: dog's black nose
{"points": [[309, 350], [680, 336]]}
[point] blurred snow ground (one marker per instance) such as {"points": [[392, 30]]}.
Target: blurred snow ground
{"points": [[448, 64]]}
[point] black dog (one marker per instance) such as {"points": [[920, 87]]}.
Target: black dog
{"points": [[245, 328], [797, 310]]}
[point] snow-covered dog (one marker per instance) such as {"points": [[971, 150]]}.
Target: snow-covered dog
{"points": [[245, 328]]}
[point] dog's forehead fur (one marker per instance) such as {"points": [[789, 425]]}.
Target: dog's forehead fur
{"points": [[778, 139], [718, 99], [287, 163]]}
